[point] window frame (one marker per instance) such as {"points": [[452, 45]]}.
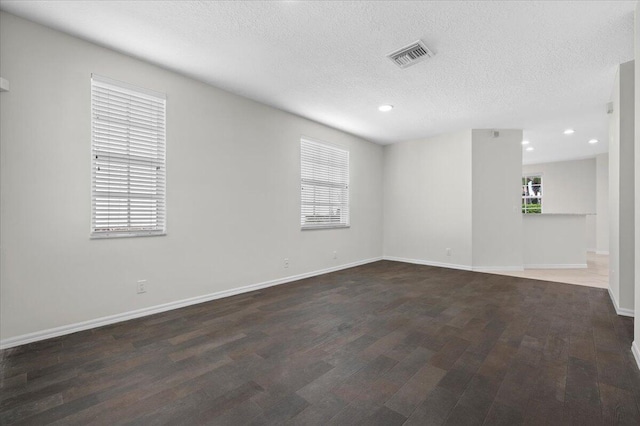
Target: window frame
{"points": [[335, 181], [525, 198], [154, 201]]}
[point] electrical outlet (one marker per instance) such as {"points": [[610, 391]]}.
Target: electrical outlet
{"points": [[335, 254], [141, 286], [286, 262], [448, 250]]}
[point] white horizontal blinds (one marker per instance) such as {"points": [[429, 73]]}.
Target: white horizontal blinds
{"points": [[324, 185], [128, 160]]}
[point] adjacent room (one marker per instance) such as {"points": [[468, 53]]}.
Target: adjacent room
{"points": [[310, 212]]}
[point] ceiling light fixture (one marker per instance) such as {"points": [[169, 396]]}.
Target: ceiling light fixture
{"points": [[525, 142], [385, 108], [569, 132], [530, 148], [592, 141]]}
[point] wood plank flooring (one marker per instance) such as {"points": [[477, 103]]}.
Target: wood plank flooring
{"points": [[382, 344]]}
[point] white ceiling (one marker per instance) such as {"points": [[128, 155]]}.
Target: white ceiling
{"points": [[540, 66]]}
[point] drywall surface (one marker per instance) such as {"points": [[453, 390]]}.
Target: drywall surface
{"points": [[567, 186], [554, 240], [591, 231], [233, 190], [427, 200], [602, 204], [614, 192], [496, 195], [636, 341], [621, 189], [627, 186]]}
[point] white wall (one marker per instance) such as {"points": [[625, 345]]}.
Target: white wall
{"points": [[457, 191], [591, 233], [570, 187], [496, 199], [602, 204], [554, 240], [567, 186], [614, 193], [232, 192], [621, 190], [636, 342], [427, 200]]}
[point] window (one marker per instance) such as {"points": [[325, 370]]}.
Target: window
{"points": [[127, 160], [532, 194], [324, 182]]}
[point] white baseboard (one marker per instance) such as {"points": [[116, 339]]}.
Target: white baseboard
{"points": [[602, 252], [620, 311], [497, 268], [555, 266], [125, 316], [635, 350], [453, 265], [428, 263]]}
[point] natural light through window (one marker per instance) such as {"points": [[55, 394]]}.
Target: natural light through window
{"points": [[127, 160], [532, 194], [324, 185]]}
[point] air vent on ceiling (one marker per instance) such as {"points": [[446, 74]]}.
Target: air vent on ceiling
{"points": [[410, 55]]}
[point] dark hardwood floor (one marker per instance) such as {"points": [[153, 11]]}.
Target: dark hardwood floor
{"points": [[381, 344]]}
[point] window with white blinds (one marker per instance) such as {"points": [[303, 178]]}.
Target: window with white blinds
{"points": [[324, 182], [127, 160]]}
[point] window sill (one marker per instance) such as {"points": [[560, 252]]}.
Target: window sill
{"points": [[108, 236], [313, 228]]}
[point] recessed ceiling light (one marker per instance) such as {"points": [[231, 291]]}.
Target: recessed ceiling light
{"points": [[385, 108], [530, 148], [592, 141], [569, 132], [525, 142]]}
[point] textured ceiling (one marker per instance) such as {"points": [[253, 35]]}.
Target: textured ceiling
{"points": [[541, 66]]}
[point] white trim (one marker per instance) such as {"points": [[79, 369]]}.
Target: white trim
{"points": [[497, 268], [635, 350], [453, 265], [315, 159], [602, 252], [591, 250], [125, 316], [110, 100], [555, 266], [428, 263], [620, 311], [323, 142]]}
